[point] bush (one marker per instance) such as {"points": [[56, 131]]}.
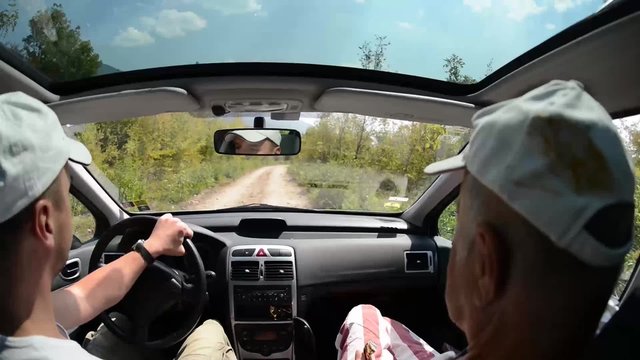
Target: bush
{"points": [[338, 187], [153, 160]]}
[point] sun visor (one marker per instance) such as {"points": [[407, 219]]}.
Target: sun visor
{"points": [[124, 104], [396, 106]]}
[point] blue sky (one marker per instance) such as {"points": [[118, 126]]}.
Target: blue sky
{"points": [[130, 34]]}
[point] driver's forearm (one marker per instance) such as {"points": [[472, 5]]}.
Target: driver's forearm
{"points": [[98, 291]]}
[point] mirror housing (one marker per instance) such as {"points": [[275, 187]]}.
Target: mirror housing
{"points": [[257, 142]]}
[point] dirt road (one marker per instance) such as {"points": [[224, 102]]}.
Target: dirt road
{"points": [[269, 185]]}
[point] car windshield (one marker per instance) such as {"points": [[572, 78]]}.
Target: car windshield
{"points": [[458, 41], [347, 162]]}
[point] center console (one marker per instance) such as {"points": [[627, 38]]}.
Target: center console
{"points": [[262, 287]]}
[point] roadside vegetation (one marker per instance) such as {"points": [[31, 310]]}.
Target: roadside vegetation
{"points": [[353, 162], [155, 163]]}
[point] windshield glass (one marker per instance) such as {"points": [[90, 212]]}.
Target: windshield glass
{"points": [[347, 162], [458, 41]]}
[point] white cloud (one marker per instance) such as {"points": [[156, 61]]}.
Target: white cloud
{"points": [[171, 23], [514, 9], [405, 25], [520, 9], [478, 5], [233, 7], [132, 37], [564, 5], [550, 26], [32, 6]]}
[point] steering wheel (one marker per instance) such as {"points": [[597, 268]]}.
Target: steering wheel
{"points": [[159, 288]]}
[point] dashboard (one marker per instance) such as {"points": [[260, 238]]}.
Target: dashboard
{"points": [[271, 269]]}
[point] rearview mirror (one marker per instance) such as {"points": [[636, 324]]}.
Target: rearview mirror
{"points": [[258, 142]]}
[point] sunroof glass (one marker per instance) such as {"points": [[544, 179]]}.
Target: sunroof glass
{"points": [[458, 41]]}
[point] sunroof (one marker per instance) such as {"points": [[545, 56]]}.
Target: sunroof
{"points": [[457, 41]]}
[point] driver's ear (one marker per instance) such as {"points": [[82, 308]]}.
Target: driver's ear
{"points": [[277, 150], [43, 225]]}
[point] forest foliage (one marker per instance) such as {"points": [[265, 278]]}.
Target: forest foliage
{"points": [[162, 160], [356, 162]]}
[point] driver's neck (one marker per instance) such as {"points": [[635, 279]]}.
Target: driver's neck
{"points": [[38, 317]]}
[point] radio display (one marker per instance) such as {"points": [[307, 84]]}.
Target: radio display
{"points": [[265, 303]]}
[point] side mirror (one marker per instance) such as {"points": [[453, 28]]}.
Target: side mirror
{"points": [[257, 142]]}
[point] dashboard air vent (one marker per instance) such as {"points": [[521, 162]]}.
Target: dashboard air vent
{"points": [[245, 270], [278, 270]]}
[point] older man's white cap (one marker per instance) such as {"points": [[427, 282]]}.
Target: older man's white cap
{"points": [[257, 135], [33, 151], [554, 156]]}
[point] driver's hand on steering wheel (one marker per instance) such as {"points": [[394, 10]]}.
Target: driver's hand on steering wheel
{"points": [[167, 237]]}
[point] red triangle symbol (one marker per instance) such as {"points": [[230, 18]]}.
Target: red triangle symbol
{"points": [[261, 252]]}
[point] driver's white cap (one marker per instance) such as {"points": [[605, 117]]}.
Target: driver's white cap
{"points": [[33, 151], [555, 157], [257, 135]]}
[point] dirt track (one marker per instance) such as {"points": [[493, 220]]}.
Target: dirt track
{"points": [[269, 185]]}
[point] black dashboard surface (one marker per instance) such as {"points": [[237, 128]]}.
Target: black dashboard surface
{"points": [[299, 220], [337, 257], [330, 248]]}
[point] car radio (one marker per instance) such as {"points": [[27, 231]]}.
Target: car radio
{"points": [[262, 303]]}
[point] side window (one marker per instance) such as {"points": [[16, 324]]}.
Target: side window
{"points": [[447, 221], [629, 129], [84, 224]]}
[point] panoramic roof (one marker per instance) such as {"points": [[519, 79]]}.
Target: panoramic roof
{"points": [[458, 40]]}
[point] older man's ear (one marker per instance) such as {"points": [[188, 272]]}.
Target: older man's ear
{"points": [[490, 265]]}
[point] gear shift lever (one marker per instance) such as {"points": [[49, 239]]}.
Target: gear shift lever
{"points": [[304, 342]]}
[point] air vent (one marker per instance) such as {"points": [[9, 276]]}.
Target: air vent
{"points": [[418, 261], [244, 270], [71, 269], [278, 270]]}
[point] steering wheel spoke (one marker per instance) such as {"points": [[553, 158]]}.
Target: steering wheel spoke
{"points": [[190, 294]]}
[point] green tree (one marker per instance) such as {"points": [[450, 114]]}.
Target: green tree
{"points": [[489, 68], [447, 221], [56, 48], [154, 159], [374, 56], [8, 18], [632, 142], [453, 66]]}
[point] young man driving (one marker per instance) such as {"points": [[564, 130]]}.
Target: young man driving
{"points": [[254, 142], [545, 218], [36, 235]]}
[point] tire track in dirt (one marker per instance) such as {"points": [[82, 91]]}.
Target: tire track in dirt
{"points": [[269, 185]]}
